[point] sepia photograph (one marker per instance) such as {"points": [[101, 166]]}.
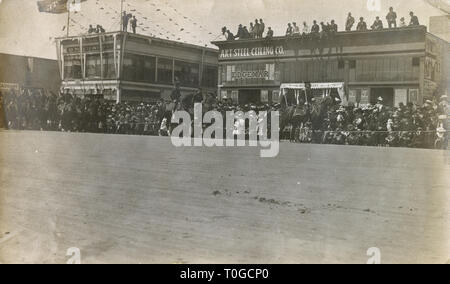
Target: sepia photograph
{"points": [[233, 134]]}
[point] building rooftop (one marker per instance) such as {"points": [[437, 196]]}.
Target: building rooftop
{"points": [[407, 34], [153, 39]]}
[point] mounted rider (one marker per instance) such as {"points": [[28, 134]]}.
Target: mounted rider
{"points": [[304, 100], [176, 96], [198, 97]]}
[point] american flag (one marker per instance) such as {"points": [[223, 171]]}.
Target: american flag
{"points": [[59, 6]]}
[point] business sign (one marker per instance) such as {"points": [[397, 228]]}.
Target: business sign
{"points": [[9, 86], [258, 74], [252, 52]]}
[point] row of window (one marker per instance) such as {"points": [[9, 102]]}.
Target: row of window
{"points": [[139, 68], [391, 96], [250, 97], [360, 70]]}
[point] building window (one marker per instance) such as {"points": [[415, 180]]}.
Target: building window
{"points": [[416, 61], [187, 73], [413, 95], [72, 67], [264, 96], [210, 76], [93, 66], [400, 97], [129, 73], [270, 68], [139, 64], [109, 68], [276, 96], [352, 64], [235, 96], [149, 69], [230, 70], [341, 64], [140, 68], [359, 96], [165, 71], [223, 95]]}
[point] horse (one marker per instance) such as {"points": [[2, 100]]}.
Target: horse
{"points": [[297, 116], [165, 112], [167, 109]]}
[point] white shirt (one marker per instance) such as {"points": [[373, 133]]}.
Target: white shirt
{"points": [[306, 29]]}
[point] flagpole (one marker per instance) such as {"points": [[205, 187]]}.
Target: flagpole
{"points": [[121, 15], [68, 18]]}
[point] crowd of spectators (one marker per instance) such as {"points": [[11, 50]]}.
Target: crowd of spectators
{"points": [[369, 125], [378, 125], [36, 110], [256, 30]]}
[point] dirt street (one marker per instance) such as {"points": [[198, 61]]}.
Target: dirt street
{"points": [[129, 199]]}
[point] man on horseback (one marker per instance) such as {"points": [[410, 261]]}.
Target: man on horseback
{"points": [[198, 97], [176, 96]]}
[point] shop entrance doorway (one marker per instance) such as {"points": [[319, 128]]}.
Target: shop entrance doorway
{"points": [[386, 93], [249, 97]]}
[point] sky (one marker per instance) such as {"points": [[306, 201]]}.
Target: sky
{"points": [[26, 31]]}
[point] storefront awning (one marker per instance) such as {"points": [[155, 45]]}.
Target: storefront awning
{"points": [[333, 85]]}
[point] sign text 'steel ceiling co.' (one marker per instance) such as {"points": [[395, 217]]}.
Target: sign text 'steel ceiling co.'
{"points": [[252, 52]]}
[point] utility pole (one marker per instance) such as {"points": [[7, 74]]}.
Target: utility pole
{"points": [[68, 18], [121, 15]]}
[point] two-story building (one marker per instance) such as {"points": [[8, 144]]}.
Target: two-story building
{"points": [[121, 66], [399, 65]]}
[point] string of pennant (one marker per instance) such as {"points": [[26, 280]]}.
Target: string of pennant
{"points": [[175, 25]]}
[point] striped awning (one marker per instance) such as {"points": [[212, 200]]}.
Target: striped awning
{"points": [[334, 85]]}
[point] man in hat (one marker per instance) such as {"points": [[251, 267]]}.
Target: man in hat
{"points": [[230, 35], [252, 30], [198, 97], [134, 24], [125, 19], [257, 28], [295, 29], [210, 102], [176, 95], [100, 29], [289, 30], [350, 22], [241, 34], [91, 29], [262, 28], [379, 105], [315, 29], [246, 33], [414, 20], [362, 25], [378, 24], [269, 33], [392, 18], [333, 27]]}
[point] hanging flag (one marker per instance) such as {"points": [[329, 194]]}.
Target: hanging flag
{"points": [[59, 6], [53, 6]]}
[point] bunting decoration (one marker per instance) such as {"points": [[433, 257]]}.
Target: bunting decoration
{"points": [[155, 18]]}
